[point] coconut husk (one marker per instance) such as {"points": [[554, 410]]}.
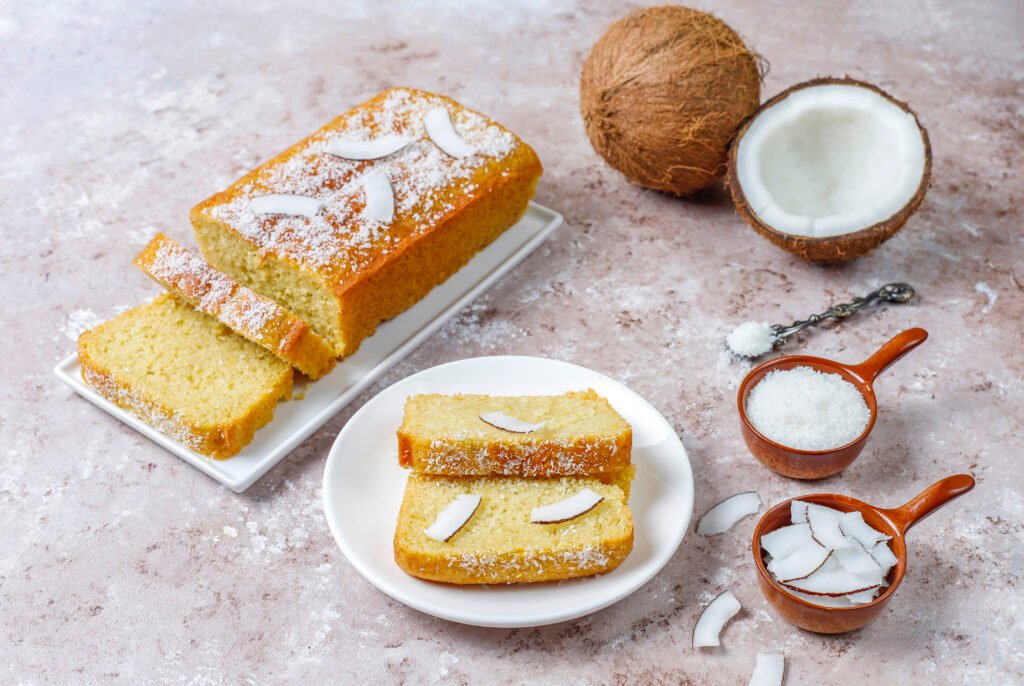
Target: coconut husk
{"points": [[832, 249], [663, 92]]}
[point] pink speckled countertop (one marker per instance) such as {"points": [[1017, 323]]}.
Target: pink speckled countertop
{"points": [[121, 563]]}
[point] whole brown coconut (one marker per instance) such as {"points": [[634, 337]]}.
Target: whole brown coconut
{"points": [[662, 94]]}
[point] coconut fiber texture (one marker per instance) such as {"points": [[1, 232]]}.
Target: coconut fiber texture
{"points": [[662, 94]]}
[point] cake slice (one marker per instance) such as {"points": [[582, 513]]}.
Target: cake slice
{"points": [[356, 223], [500, 543], [250, 315], [185, 374], [578, 433]]}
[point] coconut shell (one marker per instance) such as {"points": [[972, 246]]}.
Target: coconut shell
{"points": [[662, 94], [831, 249]]}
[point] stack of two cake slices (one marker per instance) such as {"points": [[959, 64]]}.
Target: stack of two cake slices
{"points": [[513, 489]]}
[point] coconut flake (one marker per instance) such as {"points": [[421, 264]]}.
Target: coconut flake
{"points": [[831, 579], [711, 621], [453, 517], [367, 150], [824, 523], [784, 541], [884, 556], [725, 514], [859, 598], [291, 205], [500, 420], [801, 563], [798, 511], [769, 669], [570, 508], [852, 524], [857, 560], [380, 199], [439, 127]]}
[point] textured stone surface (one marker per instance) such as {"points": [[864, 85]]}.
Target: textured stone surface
{"points": [[118, 559]]}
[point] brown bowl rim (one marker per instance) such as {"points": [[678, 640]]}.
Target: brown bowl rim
{"points": [[743, 392], [762, 570]]}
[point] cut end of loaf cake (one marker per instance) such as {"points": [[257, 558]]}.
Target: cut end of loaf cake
{"points": [[342, 269], [580, 434], [252, 316], [185, 374], [500, 543]]}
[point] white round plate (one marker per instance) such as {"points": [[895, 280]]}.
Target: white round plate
{"points": [[363, 487]]}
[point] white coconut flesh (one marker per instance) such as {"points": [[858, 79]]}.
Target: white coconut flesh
{"points": [[712, 620], [830, 160], [829, 557]]}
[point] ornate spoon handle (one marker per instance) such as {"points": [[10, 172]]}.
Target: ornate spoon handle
{"points": [[893, 293]]}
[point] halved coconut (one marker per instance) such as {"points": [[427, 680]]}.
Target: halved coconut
{"points": [[830, 168]]}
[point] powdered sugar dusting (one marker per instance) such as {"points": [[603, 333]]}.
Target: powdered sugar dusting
{"points": [[427, 183]]}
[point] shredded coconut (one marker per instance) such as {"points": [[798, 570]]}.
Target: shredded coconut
{"points": [[751, 339], [806, 409]]}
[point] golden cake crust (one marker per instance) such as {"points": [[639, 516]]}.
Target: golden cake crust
{"points": [[446, 210], [250, 315], [466, 446]]}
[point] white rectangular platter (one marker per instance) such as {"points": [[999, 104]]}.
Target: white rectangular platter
{"points": [[296, 420]]}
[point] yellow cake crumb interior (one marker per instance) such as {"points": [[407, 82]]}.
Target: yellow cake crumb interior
{"points": [[570, 416], [298, 291], [185, 359], [502, 522]]}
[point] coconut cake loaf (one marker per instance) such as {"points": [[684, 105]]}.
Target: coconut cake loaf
{"points": [[356, 223], [185, 374], [578, 433], [250, 315], [500, 543]]}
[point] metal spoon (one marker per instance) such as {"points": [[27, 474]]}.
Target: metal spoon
{"points": [[892, 292]]}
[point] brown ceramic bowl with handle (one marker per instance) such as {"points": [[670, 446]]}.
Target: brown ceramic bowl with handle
{"points": [[818, 464], [893, 522]]}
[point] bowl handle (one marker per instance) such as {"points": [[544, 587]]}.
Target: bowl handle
{"points": [[898, 346], [929, 500]]}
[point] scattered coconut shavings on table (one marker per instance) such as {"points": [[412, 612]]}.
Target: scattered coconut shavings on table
{"points": [[805, 409]]}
